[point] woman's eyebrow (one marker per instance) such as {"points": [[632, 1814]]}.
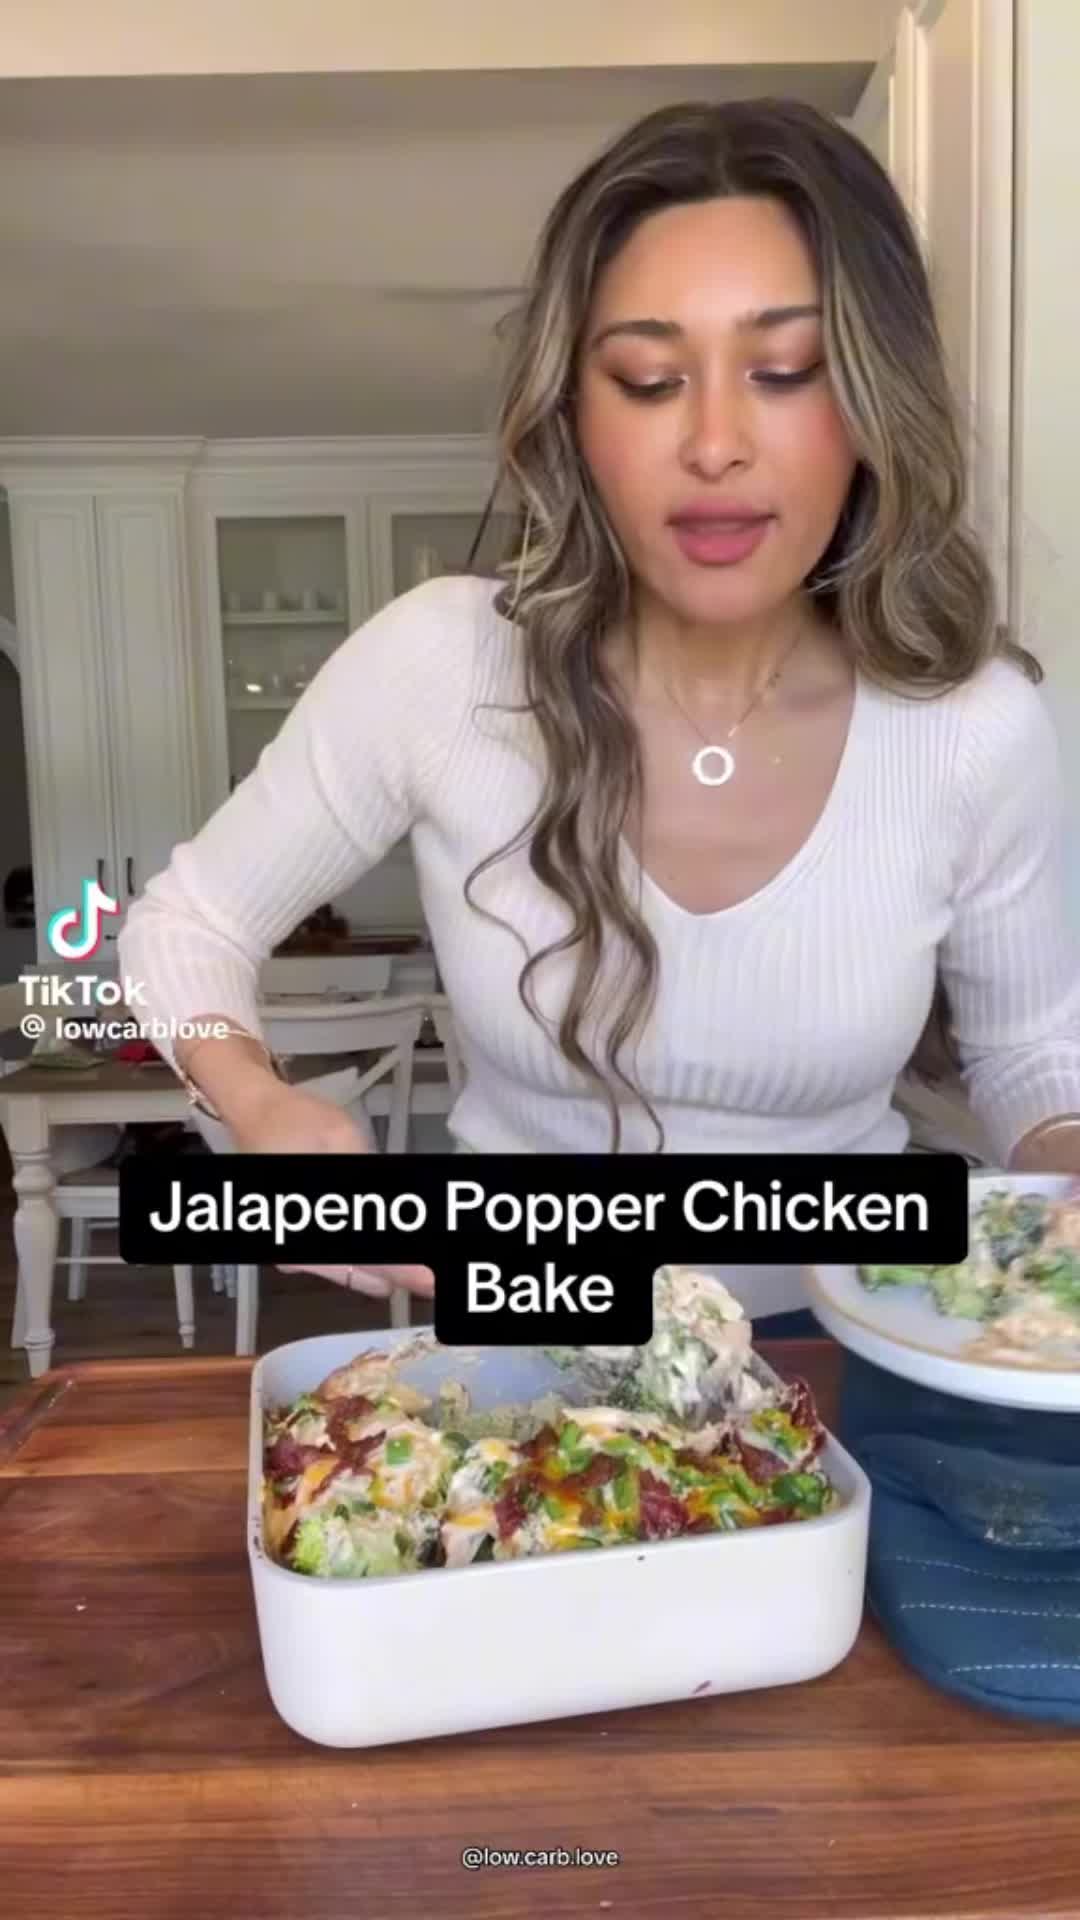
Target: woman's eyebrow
{"points": [[758, 322]]}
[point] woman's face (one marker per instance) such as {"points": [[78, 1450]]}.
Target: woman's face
{"points": [[705, 412]]}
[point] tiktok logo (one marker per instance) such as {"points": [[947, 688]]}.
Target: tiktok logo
{"points": [[75, 932]]}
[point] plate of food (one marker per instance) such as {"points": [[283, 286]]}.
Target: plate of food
{"points": [[1001, 1326], [586, 1529]]}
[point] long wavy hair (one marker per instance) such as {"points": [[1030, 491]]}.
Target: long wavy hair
{"points": [[904, 578]]}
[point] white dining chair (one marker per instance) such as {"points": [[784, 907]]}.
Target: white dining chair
{"points": [[442, 1020], [345, 1054], [384, 1031], [86, 1193], [88, 1199], [241, 1282]]}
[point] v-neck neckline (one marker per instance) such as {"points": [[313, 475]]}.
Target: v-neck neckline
{"points": [[805, 855]]}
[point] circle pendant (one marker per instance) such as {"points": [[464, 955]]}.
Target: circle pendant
{"points": [[727, 766]]}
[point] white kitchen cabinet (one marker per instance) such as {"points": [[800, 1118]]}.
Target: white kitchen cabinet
{"points": [[415, 537], [948, 114], [938, 112], [283, 608], [296, 547], [173, 600], [147, 681], [99, 565], [972, 112]]}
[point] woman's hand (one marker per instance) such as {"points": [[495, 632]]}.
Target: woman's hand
{"points": [[285, 1119]]}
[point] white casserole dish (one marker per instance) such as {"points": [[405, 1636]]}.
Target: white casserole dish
{"points": [[359, 1663]]}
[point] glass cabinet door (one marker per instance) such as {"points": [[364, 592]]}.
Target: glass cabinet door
{"points": [[284, 609], [426, 544]]}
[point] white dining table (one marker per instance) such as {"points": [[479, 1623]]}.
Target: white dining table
{"points": [[36, 1101]]}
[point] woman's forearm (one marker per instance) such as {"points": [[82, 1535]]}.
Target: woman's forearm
{"points": [[233, 1073]]}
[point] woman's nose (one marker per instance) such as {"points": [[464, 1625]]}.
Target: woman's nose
{"points": [[718, 432]]}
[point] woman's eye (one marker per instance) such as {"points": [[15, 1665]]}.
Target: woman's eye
{"points": [[661, 389], [800, 379], [647, 389]]}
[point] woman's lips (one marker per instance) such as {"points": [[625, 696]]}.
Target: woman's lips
{"points": [[719, 543]]}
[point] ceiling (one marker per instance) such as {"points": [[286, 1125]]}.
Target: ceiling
{"points": [[216, 256]]}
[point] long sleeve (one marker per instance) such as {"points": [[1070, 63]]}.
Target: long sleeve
{"points": [[1010, 964], [330, 795]]}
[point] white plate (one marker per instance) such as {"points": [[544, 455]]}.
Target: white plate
{"points": [[901, 1330]]}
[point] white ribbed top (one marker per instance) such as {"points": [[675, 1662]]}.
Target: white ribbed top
{"points": [[781, 1022]]}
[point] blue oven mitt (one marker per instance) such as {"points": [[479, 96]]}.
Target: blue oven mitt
{"points": [[974, 1566]]}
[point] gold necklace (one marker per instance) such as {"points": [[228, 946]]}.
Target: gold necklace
{"points": [[711, 749]]}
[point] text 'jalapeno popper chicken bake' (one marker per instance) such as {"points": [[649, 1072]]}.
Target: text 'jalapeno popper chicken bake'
{"points": [[366, 1476]]}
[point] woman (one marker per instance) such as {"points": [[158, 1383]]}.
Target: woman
{"points": [[735, 764]]}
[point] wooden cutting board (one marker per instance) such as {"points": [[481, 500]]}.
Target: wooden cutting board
{"points": [[145, 1776]]}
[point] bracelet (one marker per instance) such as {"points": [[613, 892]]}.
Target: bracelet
{"points": [[1039, 1136], [195, 1094]]}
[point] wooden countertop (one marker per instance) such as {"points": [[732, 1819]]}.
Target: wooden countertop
{"points": [[144, 1773]]}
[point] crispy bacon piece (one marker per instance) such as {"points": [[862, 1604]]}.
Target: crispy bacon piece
{"points": [[798, 1404], [511, 1511], [288, 1456], [601, 1468], [541, 1443], [341, 1416], [761, 1465], [721, 1460], [354, 1453], [573, 1486], [663, 1514], [357, 1407]]}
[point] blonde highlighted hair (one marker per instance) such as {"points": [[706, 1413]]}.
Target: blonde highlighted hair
{"points": [[904, 578]]}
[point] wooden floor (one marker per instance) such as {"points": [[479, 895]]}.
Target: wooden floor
{"points": [[130, 1312]]}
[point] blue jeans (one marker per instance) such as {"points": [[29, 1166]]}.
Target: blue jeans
{"points": [[800, 1325]]}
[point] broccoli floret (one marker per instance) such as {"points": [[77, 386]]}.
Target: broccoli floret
{"points": [[804, 1491], [1057, 1274], [1011, 1225], [959, 1292], [311, 1553], [328, 1547], [874, 1278]]}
